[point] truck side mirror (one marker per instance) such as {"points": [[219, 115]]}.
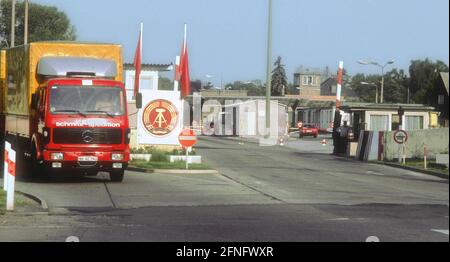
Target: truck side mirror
{"points": [[139, 100], [34, 101]]}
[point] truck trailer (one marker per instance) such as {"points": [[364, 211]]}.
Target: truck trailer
{"points": [[64, 109]]}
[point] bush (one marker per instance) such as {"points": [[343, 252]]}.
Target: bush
{"points": [[153, 150]]}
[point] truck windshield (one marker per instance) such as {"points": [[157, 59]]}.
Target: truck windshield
{"points": [[84, 100]]}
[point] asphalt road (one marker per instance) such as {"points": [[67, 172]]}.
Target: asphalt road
{"points": [[298, 192]]}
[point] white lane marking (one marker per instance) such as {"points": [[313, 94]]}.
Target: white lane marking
{"points": [[374, 173], [442, 231], [339, 219]]}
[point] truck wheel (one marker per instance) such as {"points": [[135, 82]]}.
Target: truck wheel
{"points": [[117, 176], [37, 171]]}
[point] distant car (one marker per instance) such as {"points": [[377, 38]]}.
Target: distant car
{"points": [[308, 130]]}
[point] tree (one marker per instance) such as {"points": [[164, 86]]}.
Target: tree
{"points": [[396, 86], [425, 81], [254, 88], [366, 93], [165, 83], [45, 23], [279, 79]]}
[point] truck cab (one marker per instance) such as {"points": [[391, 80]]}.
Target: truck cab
{"points": [[80, 123], [65, 108]]}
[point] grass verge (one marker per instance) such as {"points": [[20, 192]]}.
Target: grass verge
{"points": [[166, 165], [419, 164], [2, 201], [19, 201]]}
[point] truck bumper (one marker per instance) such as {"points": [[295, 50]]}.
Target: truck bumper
{"points": [[85, 162]]}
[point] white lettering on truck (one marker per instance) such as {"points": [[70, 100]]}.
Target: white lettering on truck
{"points": [[88, 123]]}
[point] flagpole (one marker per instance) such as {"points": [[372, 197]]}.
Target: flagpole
{"points": [[183, 54], [185, 38], [142, 34], [177, 65]]}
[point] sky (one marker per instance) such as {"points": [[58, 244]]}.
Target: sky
{"points": [[227, 39]]}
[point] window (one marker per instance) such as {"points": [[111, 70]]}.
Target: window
{"points": [[305, 80], [441, 100], [309, 80], [414, 122], [395, 122], [379, 122], [87, 100]]}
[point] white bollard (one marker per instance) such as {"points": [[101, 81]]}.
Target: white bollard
{"points": [[11, 180], [5, 166], [425, 157]]}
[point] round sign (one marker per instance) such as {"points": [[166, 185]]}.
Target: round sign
{"points": [[160, 117], [300, 124], [187, 138], [400, 137]]}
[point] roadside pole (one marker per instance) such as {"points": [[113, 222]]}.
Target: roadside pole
{"points": [[187, 158], [425, 157], [404, 153], [5, 166], [11, 180]]}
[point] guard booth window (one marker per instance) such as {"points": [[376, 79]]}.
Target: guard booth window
{"points": [[414, 122], [395, 122], [379, 123]]}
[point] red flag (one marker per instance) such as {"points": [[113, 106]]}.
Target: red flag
{"points": [[137, 64], [178, 66], [184, 71]]}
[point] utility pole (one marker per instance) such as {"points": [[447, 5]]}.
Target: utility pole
{"points": [[269, 69], [25, 31], [390, 62], [13, 23]]}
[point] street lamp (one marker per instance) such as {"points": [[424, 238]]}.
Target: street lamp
{"points": [[390, 62], [376, 92], [269, 68]]}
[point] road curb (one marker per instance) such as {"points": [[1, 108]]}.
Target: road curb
{"points": [[173, 171], [35, 198], [428, 172]]}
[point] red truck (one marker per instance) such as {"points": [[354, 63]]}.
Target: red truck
{"points": [[64, 108]]}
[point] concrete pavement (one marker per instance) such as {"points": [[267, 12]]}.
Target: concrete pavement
{"points": [[291, 193]]}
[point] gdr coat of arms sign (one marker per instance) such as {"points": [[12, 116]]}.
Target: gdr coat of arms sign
{"points": [[160, 117]]}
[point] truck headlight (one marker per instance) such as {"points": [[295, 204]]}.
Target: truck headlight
{"points": [[46, 134], [117, 157], [57, 156]]}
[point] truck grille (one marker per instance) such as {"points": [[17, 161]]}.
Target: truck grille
{"points": [[108, 136]]}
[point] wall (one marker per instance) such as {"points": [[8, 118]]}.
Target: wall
{"points": [[436, 141]]}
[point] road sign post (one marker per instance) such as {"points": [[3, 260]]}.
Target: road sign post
{"points": [[187, 139], [401, 137]]}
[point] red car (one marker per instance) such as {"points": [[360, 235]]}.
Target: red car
{"points": [[308, 130]]}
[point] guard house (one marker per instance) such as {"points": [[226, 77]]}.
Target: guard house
{"points": [[149, 81], [385, 117]]}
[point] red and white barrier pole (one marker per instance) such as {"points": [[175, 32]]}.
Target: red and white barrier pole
{"points": [[340, 77], [11, 174], [5, 166]]}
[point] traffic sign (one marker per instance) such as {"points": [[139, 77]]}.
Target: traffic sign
{"points": [[300, 124], [400, 137], [187, 138]]}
